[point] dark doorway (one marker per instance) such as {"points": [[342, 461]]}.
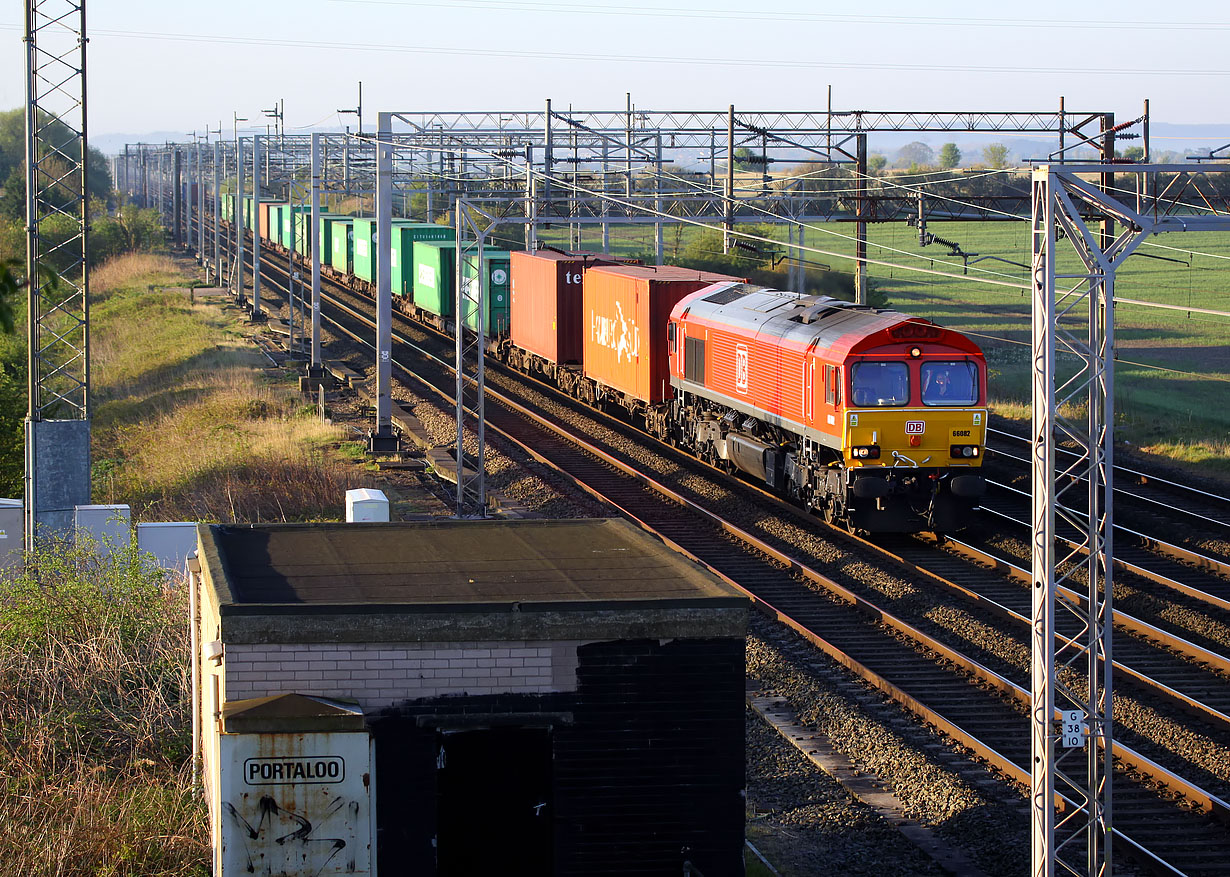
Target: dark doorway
{"points": [[493, 792]]}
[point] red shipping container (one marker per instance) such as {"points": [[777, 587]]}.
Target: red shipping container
{"points": [[626, 311], [546, 308]]}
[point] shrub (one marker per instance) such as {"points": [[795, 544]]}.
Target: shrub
{"points": [[95, 772]]}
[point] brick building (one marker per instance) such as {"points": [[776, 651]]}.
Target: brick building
{"points": [[543, 697]]}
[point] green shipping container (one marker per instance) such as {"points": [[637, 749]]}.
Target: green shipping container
{"points": [[497, 268], [326, 235], [291, 217], [365, 251], [277, 220], [303, 240], [401, 260], [435, 275], [341, 238], [364, 255]]}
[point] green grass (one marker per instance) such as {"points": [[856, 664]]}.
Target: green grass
{"points": [[188, 425]]}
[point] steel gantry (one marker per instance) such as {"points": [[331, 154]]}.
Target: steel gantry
{"points": [[57, 427], [1073, 514], [571, 168]]}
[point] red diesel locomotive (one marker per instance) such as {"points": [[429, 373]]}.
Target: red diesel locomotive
{"points": [[875, 418]]}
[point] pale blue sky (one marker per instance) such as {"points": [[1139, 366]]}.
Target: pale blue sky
{"points": [[156, 65]]}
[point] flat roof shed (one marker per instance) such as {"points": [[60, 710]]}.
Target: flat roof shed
{"points": [[580, 663]]}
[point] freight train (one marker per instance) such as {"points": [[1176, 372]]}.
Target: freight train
{"points": [[873, 418]]}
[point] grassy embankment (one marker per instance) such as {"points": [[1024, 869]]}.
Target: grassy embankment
{"points": [[94, 712], [189, 426], [1172, 379]]}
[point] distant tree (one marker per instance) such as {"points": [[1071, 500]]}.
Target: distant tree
{"points": [[10, 286], [1134, 153], [743, 159], [915, 154], [950, 156], [876, 163], [995, 155], [59, 140]]}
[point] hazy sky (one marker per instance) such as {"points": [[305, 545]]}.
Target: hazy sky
{"points": [[163, 65]]}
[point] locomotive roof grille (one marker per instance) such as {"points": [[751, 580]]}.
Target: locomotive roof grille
{"points": [[726, 296]]}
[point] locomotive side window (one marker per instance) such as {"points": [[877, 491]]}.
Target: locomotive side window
{"points": [[670, 336], [879, 384], [949, 383], [832, 384]]}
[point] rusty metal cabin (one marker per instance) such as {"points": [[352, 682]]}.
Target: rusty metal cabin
{"points": [[541, 697]]}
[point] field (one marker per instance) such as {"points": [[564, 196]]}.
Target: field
{"points": [[1172, 381]]}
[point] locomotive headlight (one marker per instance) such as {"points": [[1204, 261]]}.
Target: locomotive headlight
{"points": [[915, 352], [963, 451], [865, 452]]}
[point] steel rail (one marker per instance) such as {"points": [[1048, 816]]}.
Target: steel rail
{"points": [[1137, 474], [1175, 552]]}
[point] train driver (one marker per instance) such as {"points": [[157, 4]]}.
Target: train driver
{"points": [[949, 383]]}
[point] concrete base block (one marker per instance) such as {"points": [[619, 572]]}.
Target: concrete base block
{"points": [[62, 471]]}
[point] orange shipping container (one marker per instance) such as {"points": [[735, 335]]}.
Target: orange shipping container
{"points": [[626, 311], [546, 303], [264, 219]]}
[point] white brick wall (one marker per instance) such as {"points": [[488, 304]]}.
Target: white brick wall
{"points": [[380, 674]]}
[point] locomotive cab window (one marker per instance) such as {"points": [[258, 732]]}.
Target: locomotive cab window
{"points": [[879, 384], [832, 385], [670, 337], [949, 383]]}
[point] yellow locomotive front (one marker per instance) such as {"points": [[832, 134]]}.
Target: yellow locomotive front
{"points": [[913, 438]]}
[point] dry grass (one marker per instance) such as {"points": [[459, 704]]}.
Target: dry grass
{"points": [[95, 773], [189, 424], [131, 269], [225, 446], [94, 707]]}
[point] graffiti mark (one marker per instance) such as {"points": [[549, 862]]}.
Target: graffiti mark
{"points": [[293, 846]]}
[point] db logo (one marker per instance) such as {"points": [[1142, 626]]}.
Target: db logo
{"points": [[915, 427]]}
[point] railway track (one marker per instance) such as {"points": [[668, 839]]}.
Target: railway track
{"points": [[973, 704], [1141, 492]]}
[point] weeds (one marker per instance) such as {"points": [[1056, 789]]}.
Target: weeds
{"points": [[94, 707]]}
